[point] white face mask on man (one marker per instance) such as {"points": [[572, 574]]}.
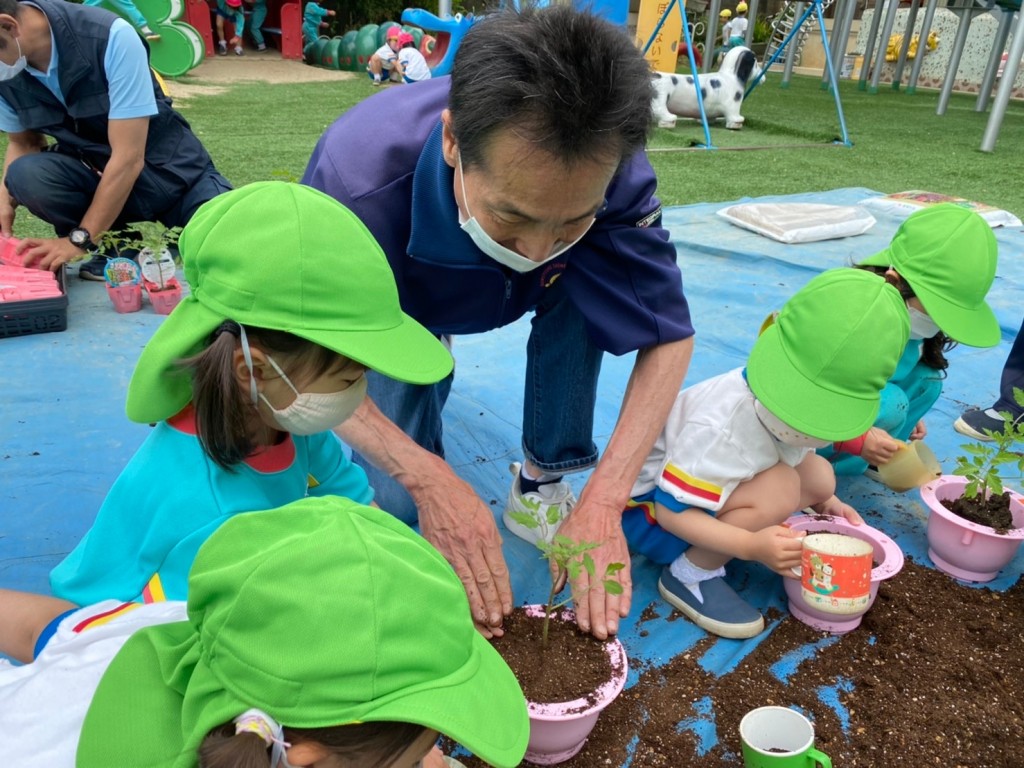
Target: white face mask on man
{"points": [[311, 412], [8, 71], [496, 250]]}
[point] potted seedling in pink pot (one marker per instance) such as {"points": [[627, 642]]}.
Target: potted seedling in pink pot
{"points": [[158, 265], [975, 523], [542, 640], [121, 274]]}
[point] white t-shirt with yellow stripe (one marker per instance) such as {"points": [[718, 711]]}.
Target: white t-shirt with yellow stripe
{"points": [[43, 704], [712, 442]]}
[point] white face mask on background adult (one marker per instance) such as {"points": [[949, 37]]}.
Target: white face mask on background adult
{"points": [[8, 71], [784, 433], [310, 412], [496, 250], [921, 325]]}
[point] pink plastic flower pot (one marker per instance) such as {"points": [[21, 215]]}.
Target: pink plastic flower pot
{"points": [[125, 297], [886, 553], [164, 301], [558, 731], [963, 549]]}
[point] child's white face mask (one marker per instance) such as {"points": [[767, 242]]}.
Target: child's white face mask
{"points": [[310, 413], [921, 324], [784, 433]]}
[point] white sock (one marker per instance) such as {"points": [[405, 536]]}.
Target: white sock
{"points": [[692, 575], [541, 479]]}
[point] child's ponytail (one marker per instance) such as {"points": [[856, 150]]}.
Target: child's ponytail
{"points": [[223, 748], [222, 411]]}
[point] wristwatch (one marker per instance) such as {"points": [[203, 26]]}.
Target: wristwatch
{"points": [[80, 238]]}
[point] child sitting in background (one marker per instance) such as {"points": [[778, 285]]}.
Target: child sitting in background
{"points": [[313, 16], [323, 633], [942, 260], [382, 62], [736, 457], [246, 379], [410, 67]]}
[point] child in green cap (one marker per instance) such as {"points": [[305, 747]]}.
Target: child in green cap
{"points": [[291, 301], [942, 260], [324, 633], [736, 456]]}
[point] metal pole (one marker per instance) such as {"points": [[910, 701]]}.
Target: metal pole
{"points": [[989, 80], [711, 36], [832, 74], [995, 117], [926, 27], [890, 19], [751, 18], [869, 48], [901, 62], [954, 59], [841, 25]]}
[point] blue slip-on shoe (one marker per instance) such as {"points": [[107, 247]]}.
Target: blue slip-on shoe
{"points": [[976, 421], [723, 612]]}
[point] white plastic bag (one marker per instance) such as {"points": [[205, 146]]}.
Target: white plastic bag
{"points": [[906, 203], [799, 222]]}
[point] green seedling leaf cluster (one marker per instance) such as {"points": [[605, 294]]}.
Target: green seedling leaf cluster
{"points": [[571, 559], [983, 463]]}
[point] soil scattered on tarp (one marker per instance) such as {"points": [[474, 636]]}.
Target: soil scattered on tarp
{"points": [[934, 676]]}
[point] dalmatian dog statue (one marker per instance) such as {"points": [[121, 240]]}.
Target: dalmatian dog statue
{"points": [[675, 95]]}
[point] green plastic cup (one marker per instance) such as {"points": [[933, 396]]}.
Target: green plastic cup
{"points": [[779, 737]]}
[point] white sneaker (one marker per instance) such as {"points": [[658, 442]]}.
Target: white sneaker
{"points": [[549, 506]]}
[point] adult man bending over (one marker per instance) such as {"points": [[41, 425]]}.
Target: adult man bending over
{"points": [[520, 184], [81, 76]]}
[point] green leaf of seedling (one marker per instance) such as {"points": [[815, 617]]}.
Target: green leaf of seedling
{"points": [[573, 568], [612, 587], [588, 563], [995, 484], [613, 568], [525, 518], [554, 515]]}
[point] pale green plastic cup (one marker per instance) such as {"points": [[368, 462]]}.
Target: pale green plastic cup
{"points": [[779, 737]]}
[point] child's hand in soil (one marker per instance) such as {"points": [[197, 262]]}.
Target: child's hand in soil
{"points": [[838, 508], [879, 447], [777, 547]]}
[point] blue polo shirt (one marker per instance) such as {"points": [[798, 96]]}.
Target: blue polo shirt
{"points": [[126, 67], [622, 275]]}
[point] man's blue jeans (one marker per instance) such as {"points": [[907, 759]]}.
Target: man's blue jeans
{"points": [[59, 188], [562, 367]]}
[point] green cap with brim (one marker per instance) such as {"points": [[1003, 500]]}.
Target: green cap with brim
{"points": [[320, 613], [821, 366], [283, 257], [948, 255]]}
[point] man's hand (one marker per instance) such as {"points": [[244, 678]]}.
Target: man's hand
{"points": [[597, 611], [48, 253], [462, 528]]}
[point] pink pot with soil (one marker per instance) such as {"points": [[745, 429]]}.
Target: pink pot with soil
{"points": [[886, 553], [558, 731], [963, 549], [165, 299], [125, 297]]}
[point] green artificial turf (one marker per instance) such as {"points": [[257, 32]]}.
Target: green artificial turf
{"points": [[260, 131]]}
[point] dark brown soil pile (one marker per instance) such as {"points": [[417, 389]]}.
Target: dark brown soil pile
{"points": [[993, 511], [571, 666], [934, 676]]}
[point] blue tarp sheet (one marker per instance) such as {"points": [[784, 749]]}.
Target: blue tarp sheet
{"points": [[64, 436]]}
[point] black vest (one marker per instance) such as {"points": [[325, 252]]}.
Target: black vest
{"points": [[175, 158]]}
